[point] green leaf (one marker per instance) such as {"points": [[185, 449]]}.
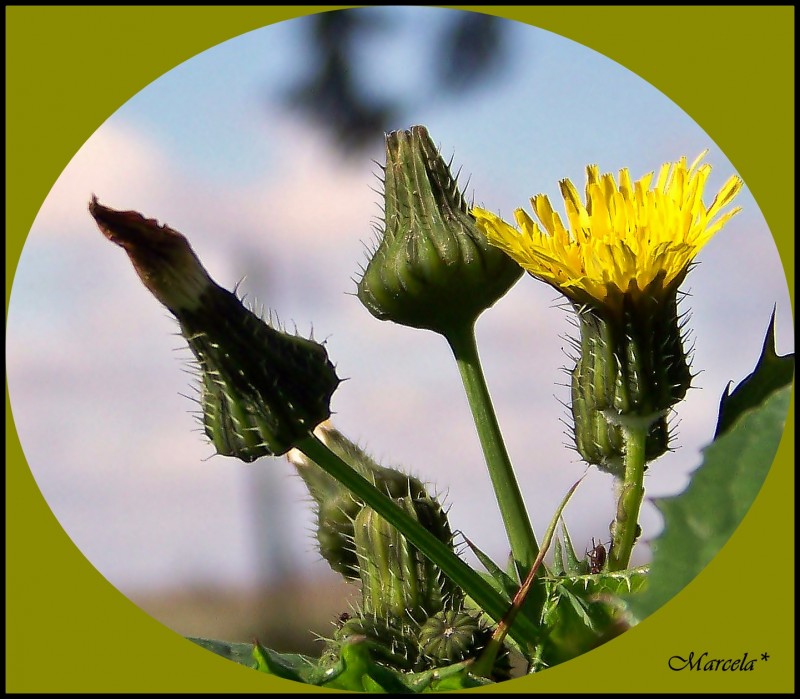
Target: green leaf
{"points": [[558, 558], [288, 666], [579, 607], [457, 678], [354, 671], [583, 612], [357, 672], [534, 604], [500, 580], [617, 583], [574, 565], [241, 653], [771, 373], [699, 521], [505, 585]]}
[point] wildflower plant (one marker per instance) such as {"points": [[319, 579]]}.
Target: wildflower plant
{"points": [[426, 620]]}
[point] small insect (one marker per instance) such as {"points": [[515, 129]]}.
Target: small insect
{"points": [[597, 557], [342, 618]]}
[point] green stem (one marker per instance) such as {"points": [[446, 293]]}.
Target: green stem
{"points": [[625, 528], [524, 548], [524, 632]]}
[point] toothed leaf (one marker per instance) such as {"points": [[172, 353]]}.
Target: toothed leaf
{"points": [[578, 618], [771, 373], [574, 564], [699, 521]]}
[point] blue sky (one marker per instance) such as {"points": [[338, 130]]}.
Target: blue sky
{"points": [[95, 378]]}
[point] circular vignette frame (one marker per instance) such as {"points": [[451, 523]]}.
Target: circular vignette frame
{"points": [[69, 630]]}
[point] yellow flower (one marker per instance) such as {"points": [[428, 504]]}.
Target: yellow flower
{"points": [[627, 238], [620, 261]]}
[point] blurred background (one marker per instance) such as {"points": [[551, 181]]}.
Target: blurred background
{"points": [[261, 151]]}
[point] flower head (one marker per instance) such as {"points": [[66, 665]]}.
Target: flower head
{"points": [[628, 238], [620, 261]]}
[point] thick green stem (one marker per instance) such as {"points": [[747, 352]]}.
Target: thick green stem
{"points": [[512, 507], [625, 529], [451, 565]]}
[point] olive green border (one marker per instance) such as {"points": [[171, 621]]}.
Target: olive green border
{"points": [[731, 68]]}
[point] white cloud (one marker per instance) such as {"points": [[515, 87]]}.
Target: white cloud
{"points": [[117, 164]]}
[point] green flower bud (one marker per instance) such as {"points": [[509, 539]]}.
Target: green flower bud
{"points": [[261, 390], [631, 367], [336, 506], [451, 636], [432, 268], [397, 581]]}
